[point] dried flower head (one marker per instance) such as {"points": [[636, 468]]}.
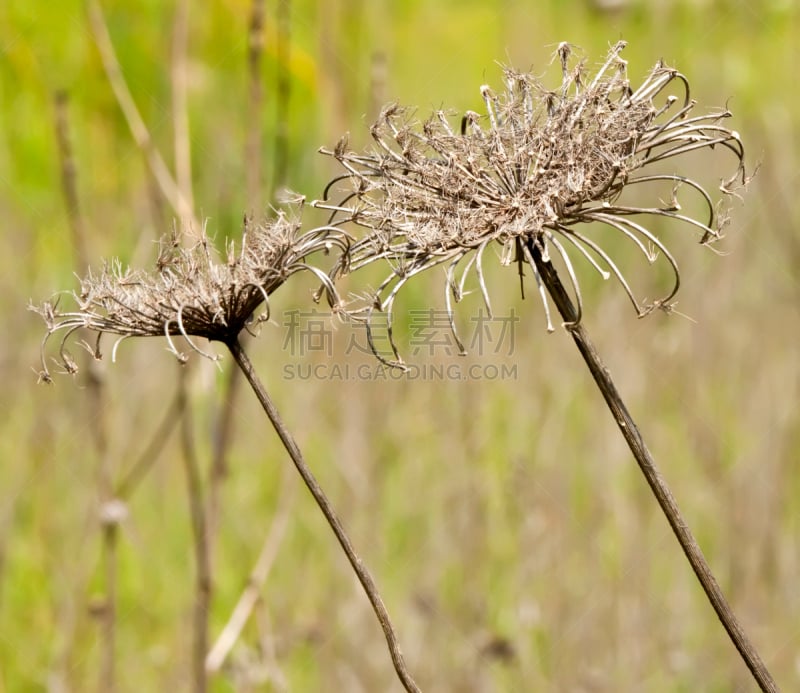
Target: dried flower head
{"points": [[192, 292], [529, 175]]}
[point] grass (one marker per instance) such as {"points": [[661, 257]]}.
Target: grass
{"points": [[490, 512]]}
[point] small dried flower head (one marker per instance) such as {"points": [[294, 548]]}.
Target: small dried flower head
{"points": [[529, 176], [193, 292]]}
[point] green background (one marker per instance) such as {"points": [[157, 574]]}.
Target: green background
{"points": [[515, 543]]}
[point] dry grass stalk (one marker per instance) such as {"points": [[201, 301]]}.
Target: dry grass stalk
{"points": [[540, 166], [251, 594], [225, 425], [197, 513], [110, 515], [171, 191], [531, 176], [283, 93]]}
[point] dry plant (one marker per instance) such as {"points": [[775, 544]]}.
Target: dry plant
{"points": [[193, 294], [535, 177], [549, 163]]}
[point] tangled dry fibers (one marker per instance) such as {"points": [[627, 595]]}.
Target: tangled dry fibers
{"points": [[192, 292], [533, 172]]}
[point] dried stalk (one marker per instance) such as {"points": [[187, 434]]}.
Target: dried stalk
{"points": [[644, 459], [225, 422], [253, 159], [180, 110], [144, 463], [284, 85], [224, 429], [69, 185], [258, 576], [108, 613], [141, 135], [97, 405], [199, 511], [194, 487], [325, 506], [536, 176]]}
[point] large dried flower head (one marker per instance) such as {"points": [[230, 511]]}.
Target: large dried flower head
{"points": [[529, 176], [193, 291]]}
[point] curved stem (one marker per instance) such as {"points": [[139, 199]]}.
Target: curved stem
{"points": [[663, 495], [364, 577]]}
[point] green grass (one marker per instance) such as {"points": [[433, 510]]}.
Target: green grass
{"points": [[488, 511]]}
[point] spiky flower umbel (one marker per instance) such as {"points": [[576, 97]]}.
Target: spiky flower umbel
{"points": [[530, 174], [192, 292]]}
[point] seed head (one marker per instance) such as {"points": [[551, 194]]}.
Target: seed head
{"points": [[192, 292], [530, 173]]}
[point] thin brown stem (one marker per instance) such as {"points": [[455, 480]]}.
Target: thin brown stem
{"points": [[252, 157], [377, 84], [364, 577], [647, 464], [149, 455], [225, 420], [69, 183], [284, 86], [97, 403], [107, 682], [221, 443], [180, 109], [200, 538]]}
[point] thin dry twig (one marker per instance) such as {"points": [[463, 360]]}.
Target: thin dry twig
{"points": [[225, 420], [108, 612], [149, 455], [180, 110], [253, 159], [141, 135], [284, 87], [97, 405], [194, 487], [364, 576], [199, 511], [69, 184], [658, 485], [258, 576]]}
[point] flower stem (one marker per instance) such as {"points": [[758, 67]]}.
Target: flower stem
{"points": [[364, 577], [663, 495]]}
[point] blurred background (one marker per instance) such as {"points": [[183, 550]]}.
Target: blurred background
{"points": [[515, 543]]}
